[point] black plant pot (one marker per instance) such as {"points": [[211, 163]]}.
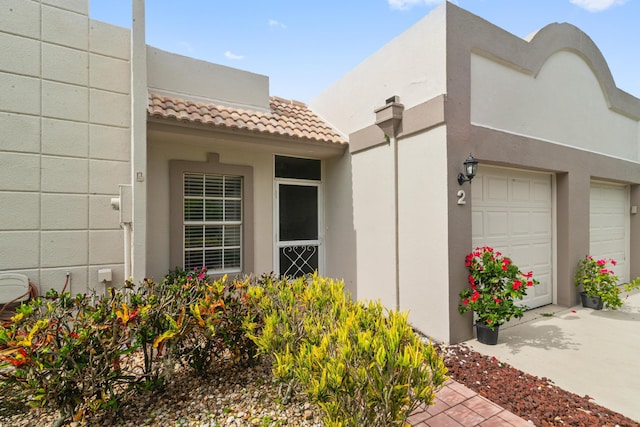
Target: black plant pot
{"points": [[486, 335], [594, 302]]}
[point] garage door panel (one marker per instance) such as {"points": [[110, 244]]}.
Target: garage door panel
{"points": [[520, 190], [543, 288], [497, 189], [540, 223], [477, 224], [608, 225], [541, 192], [496, 224], [530, 256], [520, 223], [530, 223], [513, 209]]}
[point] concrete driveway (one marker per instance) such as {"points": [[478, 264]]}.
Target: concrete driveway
{"points": [[585, 351]]}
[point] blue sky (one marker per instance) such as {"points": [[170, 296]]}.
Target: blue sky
{"points": [[305, 45]]}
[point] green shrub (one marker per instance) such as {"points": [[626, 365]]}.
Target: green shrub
{"points": [[65, 353], [362, 364], [69, 353]]}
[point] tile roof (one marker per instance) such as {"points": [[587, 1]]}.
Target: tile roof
{"points": [[286, 118]]}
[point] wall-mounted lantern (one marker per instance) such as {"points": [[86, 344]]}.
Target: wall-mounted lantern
{"points": [[470, 170]]}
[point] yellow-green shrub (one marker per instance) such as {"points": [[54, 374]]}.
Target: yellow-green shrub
{"points": [[363, 364]]}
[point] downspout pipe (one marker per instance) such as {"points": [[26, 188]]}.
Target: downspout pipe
{"points": [[389, 119]]}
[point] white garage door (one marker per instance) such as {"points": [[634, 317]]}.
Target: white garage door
{"points": [[608, 225], [512, 212]]}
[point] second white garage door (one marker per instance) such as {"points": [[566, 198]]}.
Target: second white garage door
{"points": [[512, 212], [608, 225]]}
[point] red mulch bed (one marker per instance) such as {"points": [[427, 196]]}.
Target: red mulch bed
{"points": [[529, 397]]}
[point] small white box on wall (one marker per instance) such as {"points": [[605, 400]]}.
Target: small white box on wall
{"points": [[105, 275]]}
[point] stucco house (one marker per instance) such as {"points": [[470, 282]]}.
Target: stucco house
{"points": [[206, 168]]}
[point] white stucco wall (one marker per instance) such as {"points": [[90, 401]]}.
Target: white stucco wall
{"points": [[374, 223], [411, 66], [564, 104], [64, 145], [340, 235], [423, 231], [206, 81]]}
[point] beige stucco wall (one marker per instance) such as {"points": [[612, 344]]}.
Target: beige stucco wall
{"points": [[410, 66], [423, 231], [64, 145], [164, 147], [563, 103], [170, 142], [548, 103]]}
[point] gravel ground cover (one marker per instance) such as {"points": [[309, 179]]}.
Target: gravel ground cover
{"points": [[232, 397], [226, 397]]}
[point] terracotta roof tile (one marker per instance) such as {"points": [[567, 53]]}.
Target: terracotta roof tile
{"points": [[287, 118]]}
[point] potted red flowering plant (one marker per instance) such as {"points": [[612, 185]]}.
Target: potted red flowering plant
{"points": [[495, 284], [600, 283]]}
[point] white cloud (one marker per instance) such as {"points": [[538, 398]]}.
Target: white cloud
{"points": [[408, 4], [596, 5], [232, 55], [274, 23]]}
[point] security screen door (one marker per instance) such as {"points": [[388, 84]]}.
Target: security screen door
{"points": [[298, 230]]}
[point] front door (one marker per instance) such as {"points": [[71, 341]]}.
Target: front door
{"points": [[298, 224]]}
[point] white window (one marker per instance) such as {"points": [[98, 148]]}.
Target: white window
{"points": [[212, 222]]}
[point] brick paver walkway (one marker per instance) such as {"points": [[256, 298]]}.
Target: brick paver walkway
{"points": [[457, 405]]}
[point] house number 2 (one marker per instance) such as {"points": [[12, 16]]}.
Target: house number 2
{"points": [[461, 196]]}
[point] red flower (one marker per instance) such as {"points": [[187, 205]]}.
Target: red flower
{"points": [[465, 301], [613, 261], [516, 285], [601, 262], [498, 300], [528, 275], [475, 296], [472, 280], [529, 283]]}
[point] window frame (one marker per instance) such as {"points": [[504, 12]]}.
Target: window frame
{"points": [[178, 169]]}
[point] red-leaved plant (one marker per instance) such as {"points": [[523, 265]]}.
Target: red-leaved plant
{"points": [[495, 284]]}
